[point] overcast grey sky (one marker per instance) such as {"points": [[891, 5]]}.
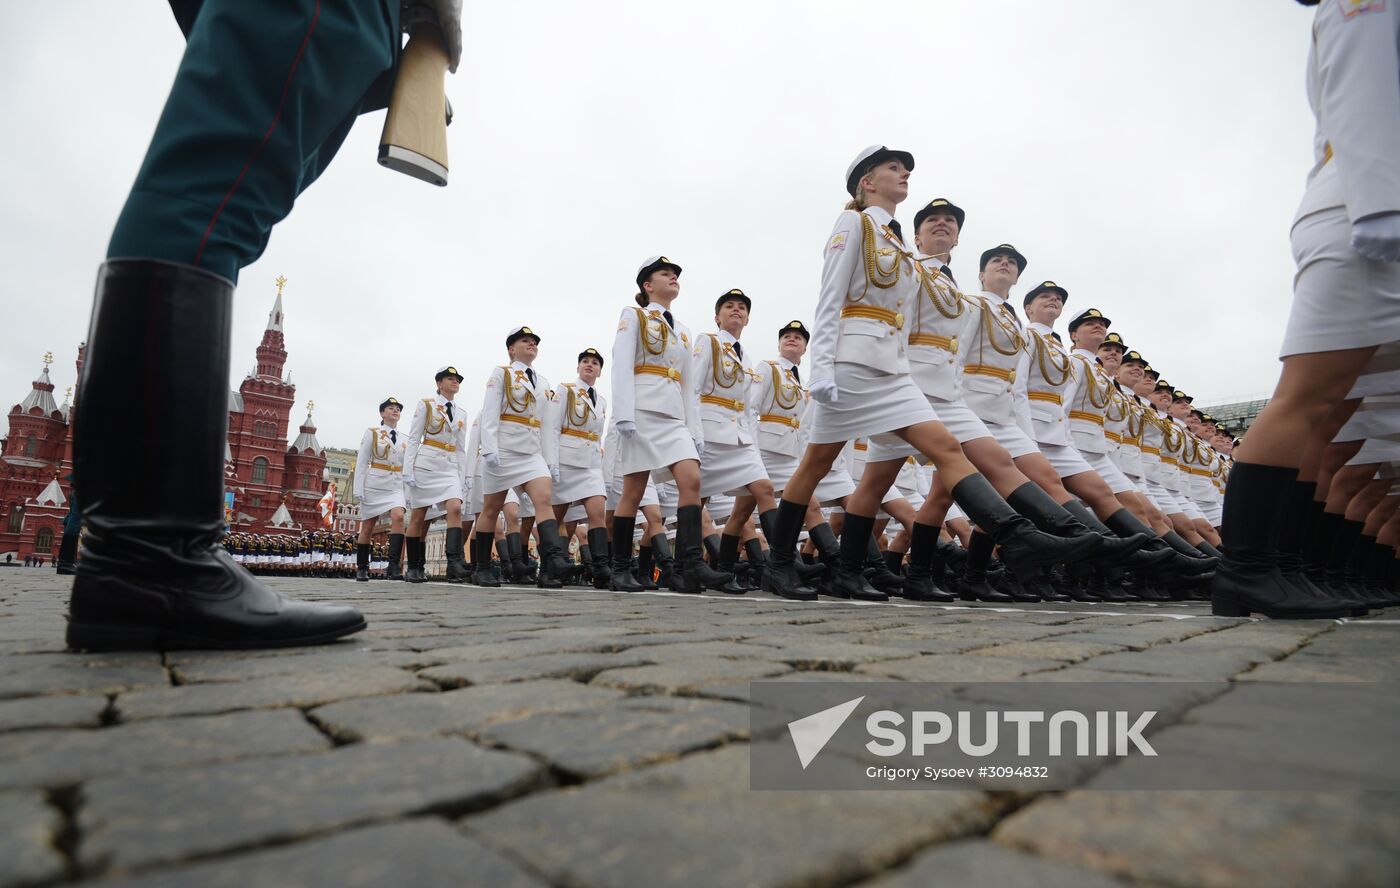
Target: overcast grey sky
{"points": [[1147, 156]]}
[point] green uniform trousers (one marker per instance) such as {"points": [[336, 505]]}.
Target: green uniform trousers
{"points": [[266, 92]]}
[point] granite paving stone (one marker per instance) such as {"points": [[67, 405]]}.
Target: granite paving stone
{"points": [[423, 853], [29, 829], [54, 711], [687, 675], [580, 667], [694, 822], [586, 738], [311, 689], [59, 758], [243, 804], [1218, 838], [627, 733], [982, 864], [462, 711]]}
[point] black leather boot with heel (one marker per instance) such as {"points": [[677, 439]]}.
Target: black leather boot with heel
{"points": [[150, 432]]}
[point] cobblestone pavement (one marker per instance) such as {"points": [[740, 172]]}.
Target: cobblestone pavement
{"points": [[524, 737]]}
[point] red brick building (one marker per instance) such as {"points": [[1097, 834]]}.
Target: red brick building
{"points": [[262, 473]]}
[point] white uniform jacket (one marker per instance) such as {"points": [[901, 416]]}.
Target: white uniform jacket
{"points": [[1050, 385], [514, 418], [940, 321], [436, 443], [1354, 90], [722, 384], [1092, 399], [994, 363], [780, 401], [580, 423], [651, 369], [379, 464], [858, 321]]}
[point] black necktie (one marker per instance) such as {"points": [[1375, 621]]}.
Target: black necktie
{"points": [[593, 396], [948, 273], [796, 377], [1011, 313], [898, 232], [739, 350], [531, 374], [449, 411], [394, 435], [670, 321]]}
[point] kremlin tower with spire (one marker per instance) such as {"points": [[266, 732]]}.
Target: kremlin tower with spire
{"points": [[272, 488]]}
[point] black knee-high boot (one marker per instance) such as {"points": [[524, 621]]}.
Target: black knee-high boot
{"points": [[877, 572], [554, 564], [362, 562], [849, 580], [414, 549], [503, 557], [152, 572], [622, 579], [456, 567], [1023, 548], [691, 573], [920, 578], [395, 569], [601, 557], [1250, 578], [727, 557], [781, 526], [974, 585], [482, 542]]}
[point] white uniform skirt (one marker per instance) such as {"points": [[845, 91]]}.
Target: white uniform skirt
{"points": [[1013, 439], [1376, 450], [720, 508], [728, 469], [648, 495], [1376, 417], [515, 469], [1106, 469], [668, 498], [382, 499], [837, 485], [1065, 460], [577, 484], [868, 403], [1341, 299], [435, 480], [780, 468], [660, 442]]}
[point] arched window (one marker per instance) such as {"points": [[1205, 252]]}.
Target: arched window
{"points": [[16, 521], [43, 540], [260, 470], [29, 446], [306, 481]]}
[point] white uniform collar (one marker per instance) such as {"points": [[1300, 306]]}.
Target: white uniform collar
{"points": [[1085, 353], [994, 298], [878, 215], [443, 401], [519, 365], [581, 384], [1040, 328], [785, 363], [725, 337]]}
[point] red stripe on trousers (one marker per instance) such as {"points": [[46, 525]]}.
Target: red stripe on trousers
{"points": [[253, 155]]}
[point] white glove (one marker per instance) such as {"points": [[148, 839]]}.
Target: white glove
{"points": [[823, 391], [1377, 237], [492, 459], [449, 18], [700, 447], [554, 474], [410, 480], [626, 428]]}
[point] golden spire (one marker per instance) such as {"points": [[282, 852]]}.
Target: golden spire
{"points": [[310, 406], [68, 393], [280, 282], [48, 357]]}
